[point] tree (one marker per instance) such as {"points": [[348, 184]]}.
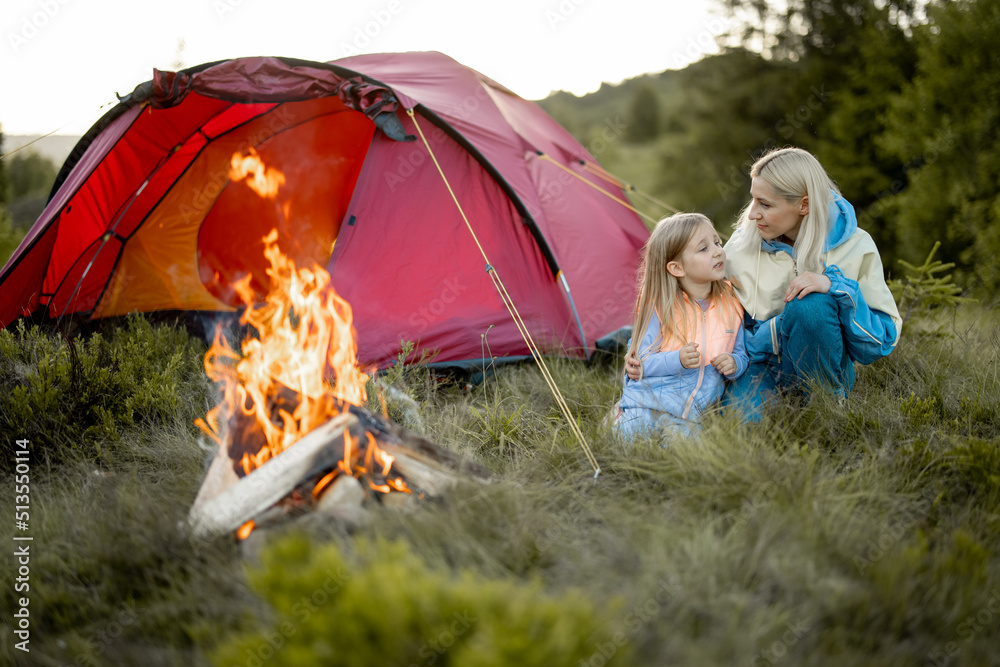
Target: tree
{"points": [[29, 179], [30, 175], [725, 124], [852, 57], [838, 44], [3, 175], [10, 237], [945, 128], [802, 29], [868, 174], [644, 115]]}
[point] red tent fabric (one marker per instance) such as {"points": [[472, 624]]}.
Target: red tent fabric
{"points": [[144, 217]]}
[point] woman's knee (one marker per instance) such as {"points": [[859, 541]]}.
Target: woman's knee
{"points": [[812, 344], [811, 308], [813, 317]]}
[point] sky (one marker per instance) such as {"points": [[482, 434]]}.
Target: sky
{"points": [[62, 61]]}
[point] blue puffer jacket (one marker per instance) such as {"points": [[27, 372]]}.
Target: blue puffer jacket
{"points": [[667, 390]]}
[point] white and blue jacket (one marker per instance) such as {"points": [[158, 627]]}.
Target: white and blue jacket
{"points": [[868, 314]]}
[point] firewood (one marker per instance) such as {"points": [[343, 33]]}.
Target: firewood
{"points": [[343, 499], [319, 450], [228, 500]]}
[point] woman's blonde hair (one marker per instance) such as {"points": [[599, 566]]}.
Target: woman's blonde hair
{"points": [[660, 290], [794, 173]]}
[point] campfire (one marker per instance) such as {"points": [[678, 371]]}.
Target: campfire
{"points": [[292, 432]]}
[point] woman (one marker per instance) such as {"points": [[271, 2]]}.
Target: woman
{"points": [[810, 282]]}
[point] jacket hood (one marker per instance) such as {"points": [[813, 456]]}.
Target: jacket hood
{"points": [[843, 222]]}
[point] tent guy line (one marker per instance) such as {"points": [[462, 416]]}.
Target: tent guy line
{"points": [[599, 189], [617, 182], [48, 134], [512, 309]]}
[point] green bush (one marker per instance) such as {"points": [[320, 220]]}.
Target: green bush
{"points": [[386, 606], [921, 292], [78, 395], [10, 236]]}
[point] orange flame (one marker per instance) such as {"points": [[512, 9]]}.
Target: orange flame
{"points": [[265, 181], [245, 530], [303, 328], [304, 345], [323, 483]]}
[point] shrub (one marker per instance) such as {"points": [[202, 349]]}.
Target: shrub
{"points": [[387, 606], [78, 395], [922, 291]]}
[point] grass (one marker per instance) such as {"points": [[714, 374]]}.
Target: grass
{"points": [[825, 535]]}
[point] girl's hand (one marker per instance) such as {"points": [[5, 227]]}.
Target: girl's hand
{"points": [[633, 368], [690, 357], [725, 364], [806, 283]]}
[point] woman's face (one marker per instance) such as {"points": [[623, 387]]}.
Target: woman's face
{"points": [[774, 216]]}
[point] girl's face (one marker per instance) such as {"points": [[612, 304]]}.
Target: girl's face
{"points": [[702, 262], [774, 216]]}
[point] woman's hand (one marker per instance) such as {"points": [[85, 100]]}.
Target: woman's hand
{"points": [[690, 357], [633, 368], [806, 283], [725, 364]]}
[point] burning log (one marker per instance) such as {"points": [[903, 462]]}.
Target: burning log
{"points": [[304, 476], [292, 426]]}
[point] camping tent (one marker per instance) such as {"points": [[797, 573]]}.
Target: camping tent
{"points": [[144, 217]]}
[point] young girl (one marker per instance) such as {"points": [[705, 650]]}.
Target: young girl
{"points": [[688, 330]]}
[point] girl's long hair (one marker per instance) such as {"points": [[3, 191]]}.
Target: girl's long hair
{"points": [[659, 290], [794, 173]]}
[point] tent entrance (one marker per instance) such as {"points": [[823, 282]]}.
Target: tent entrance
{"points": [[319, 160], [206, 231]]}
